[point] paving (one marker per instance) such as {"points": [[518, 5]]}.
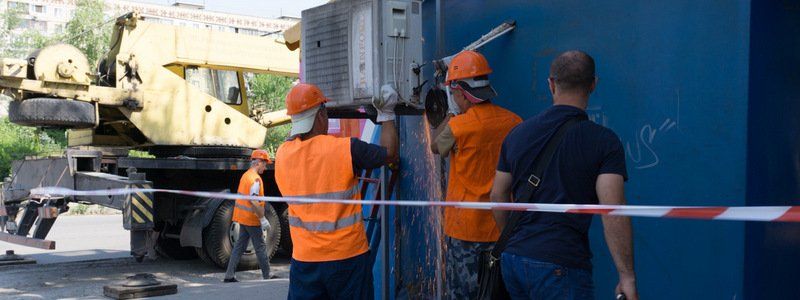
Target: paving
{"points": [[80, 238], [92, 251]]}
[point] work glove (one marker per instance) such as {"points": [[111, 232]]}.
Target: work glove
{"points": [[386, 103], [264, 223], [452, 107]]}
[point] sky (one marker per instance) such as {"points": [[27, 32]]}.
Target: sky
{"points": [[262, 8]]}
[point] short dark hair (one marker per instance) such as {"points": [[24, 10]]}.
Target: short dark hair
{"points": [[573, 71]]}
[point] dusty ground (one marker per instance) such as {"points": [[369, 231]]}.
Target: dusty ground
{"points": [[92, 251]]}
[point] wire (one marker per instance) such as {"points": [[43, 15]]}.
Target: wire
{"points": [[394, 63], [403, 61], [91, 28]]}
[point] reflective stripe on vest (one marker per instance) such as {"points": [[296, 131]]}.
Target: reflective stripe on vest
{"points": [[326, 226], [321, 167], [246, 208], [346, 194]]}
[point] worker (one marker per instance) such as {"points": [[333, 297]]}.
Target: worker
{"points": [[250, 215], [472, 140], [330, 258], [548, 255]]}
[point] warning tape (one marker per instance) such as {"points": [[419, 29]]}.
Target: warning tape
{"points": [[733, 213]]}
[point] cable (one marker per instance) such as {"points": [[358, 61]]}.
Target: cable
{"points": [[394, 63], [402, 59], [67, 39]]}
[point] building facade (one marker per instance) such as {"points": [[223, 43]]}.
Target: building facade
{"points": [[50, 17]]}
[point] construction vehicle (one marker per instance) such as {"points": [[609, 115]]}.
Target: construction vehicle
{"points": [[175, 92]]}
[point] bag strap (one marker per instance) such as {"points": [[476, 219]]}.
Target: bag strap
{"points": [[534, 180]]}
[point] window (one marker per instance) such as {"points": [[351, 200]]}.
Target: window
{"points": [[40, 26], [39, 9], [58, 28], [18, 5], [57, 11], [223, 85], [201, 78], [25, 24], [228, 87]]}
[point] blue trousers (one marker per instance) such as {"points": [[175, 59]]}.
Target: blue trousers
{"points": [[342, 279], [527, 278]]}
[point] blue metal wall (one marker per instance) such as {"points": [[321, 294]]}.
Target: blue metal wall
{"points": [[675, 86], [773, 161]]}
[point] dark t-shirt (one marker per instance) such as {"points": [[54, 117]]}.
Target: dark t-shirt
{"points": [[586, 151], [366, 156]]}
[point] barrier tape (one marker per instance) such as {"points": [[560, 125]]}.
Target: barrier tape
{"points": [[733, 213]]}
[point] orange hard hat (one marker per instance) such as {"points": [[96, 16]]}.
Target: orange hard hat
{"points": [[302, 97], [260, 154], [467, 64]]}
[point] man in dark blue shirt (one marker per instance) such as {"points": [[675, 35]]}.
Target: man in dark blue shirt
{"points": [[548, 255]]}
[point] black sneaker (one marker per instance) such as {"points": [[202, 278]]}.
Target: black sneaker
{"points": [[230, 280]]}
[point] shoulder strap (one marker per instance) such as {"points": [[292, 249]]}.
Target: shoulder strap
{"points": [[532, 182]]}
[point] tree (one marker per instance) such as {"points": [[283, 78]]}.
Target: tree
{"points": [[20, 44], [16, 142], [87, 30], [267, 93]]}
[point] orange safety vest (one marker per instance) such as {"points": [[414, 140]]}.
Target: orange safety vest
{"points": [[321, 167], [243, 211], [479, 134]]}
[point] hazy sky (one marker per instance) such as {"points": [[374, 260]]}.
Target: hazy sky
{"points": [[258, 8]]}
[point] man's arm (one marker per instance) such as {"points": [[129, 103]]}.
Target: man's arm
{"points": [[255, 190], [618, 233], [389, 141], [437, 131], [501, 192]]}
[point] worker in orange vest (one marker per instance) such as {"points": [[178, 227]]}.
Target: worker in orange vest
{"points": [[330, 259], [472, 139], [250, 217]]}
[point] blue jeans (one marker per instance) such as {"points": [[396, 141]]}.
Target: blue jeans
{"points": [[527, 278], [342, 279]]}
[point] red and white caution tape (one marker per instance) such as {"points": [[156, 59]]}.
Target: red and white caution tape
{"points": [[737, 213]]}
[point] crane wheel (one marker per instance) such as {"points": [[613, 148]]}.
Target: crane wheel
{"points": [[218, 243], [52, 112]]}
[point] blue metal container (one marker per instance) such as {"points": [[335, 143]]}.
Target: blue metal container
{"points": [[705, 96]]}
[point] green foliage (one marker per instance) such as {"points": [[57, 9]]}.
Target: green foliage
{"points": [[78, 209], [84, 30], [11, 18], [275, 137], [16, 142], [20, 44], [268, 92], [140, 154]]}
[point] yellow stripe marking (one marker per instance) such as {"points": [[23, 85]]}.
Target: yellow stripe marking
{"points": [[137, 217], [145, 199], [143, 210]]}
